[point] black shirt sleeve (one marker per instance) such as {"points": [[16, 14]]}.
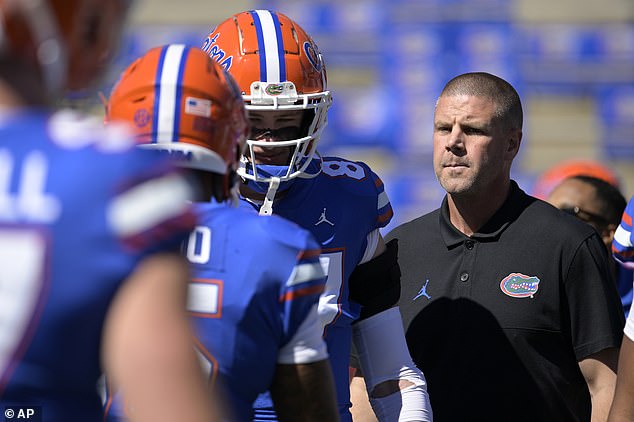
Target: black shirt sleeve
{"points": [[596, 314]]}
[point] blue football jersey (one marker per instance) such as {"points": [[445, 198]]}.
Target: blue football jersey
{"points": [[79, 208], [623, 243], [254, 282], [340, 207]]}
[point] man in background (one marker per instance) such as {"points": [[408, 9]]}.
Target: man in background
{"points": [[601, 205]]}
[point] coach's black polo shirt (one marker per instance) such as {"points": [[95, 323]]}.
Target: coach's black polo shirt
{"points": [[498, 321]]}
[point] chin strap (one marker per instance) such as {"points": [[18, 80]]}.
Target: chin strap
{"points": [[267, 206], [306, 175]]}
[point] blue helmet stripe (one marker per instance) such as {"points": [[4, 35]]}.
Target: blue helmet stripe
{"points": [[280, 46], [261, 47], [157, 93], [178, 104], [169, 86]]}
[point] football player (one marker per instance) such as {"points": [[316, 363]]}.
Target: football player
{"points": [[623, 251], [255, 281], [89, 235], [282, 77], [623, 243]]}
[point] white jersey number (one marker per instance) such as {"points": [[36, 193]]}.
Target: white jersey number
{"points": [[204, 297], [338, 168], [199, 245], [330, 300], [23, 255]]}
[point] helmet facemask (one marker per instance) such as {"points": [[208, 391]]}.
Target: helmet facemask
{"points": [[302, 145]]}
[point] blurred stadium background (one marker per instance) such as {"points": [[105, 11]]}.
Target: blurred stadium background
{"points": [[572, 62]]}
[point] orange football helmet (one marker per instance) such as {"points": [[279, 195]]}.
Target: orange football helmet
{"points": [[547, 181], [278, 67], [180, 101], [68, 41]]}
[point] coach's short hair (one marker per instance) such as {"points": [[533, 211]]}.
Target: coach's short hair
{"points": [[482, 84]]}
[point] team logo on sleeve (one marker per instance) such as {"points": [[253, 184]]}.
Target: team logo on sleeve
{"points": [[519, 285]]}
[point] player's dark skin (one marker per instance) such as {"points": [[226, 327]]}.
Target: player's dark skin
{"points": [[266, 126], [303, 404]]}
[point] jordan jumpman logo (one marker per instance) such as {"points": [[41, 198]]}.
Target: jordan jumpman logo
{"points": [[323, 219], [423, 291]]}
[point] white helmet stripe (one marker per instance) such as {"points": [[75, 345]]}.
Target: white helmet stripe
{"points": [[168, 78], [268, 35]]}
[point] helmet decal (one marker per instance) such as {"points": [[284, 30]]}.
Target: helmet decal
{"points": [[216, 53], [274, 89], [142, 117], [313, 55], [198, 106], [271, 46]]}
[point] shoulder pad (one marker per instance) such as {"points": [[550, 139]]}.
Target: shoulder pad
{"points": [[71, 130], [359, 180], [288, 233]]}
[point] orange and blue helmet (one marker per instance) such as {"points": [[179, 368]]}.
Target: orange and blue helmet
{"points": [[278, 67], [180, 101], [68, 42]]}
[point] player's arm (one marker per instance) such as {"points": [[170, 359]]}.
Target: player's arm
{"points": [[599, 371], [397, 389], [148, 350], [304, 392], [303, 387], [623, 241], [622, 409], [361, 409], [303, 383]]}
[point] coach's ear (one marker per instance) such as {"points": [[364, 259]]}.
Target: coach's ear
{"points": [[514, 140]]}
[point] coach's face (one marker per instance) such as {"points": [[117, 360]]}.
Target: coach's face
{"points": [[473, 150]]}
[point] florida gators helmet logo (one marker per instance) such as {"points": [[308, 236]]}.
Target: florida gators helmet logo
{"points": [[274, 89], [313, 56], [142, 117], [519, 285]]}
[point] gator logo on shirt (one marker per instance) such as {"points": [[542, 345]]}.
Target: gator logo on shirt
{"points": [[519, 285]]}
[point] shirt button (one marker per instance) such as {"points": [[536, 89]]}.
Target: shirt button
{"points": [[469, 244], [464, 276]]}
